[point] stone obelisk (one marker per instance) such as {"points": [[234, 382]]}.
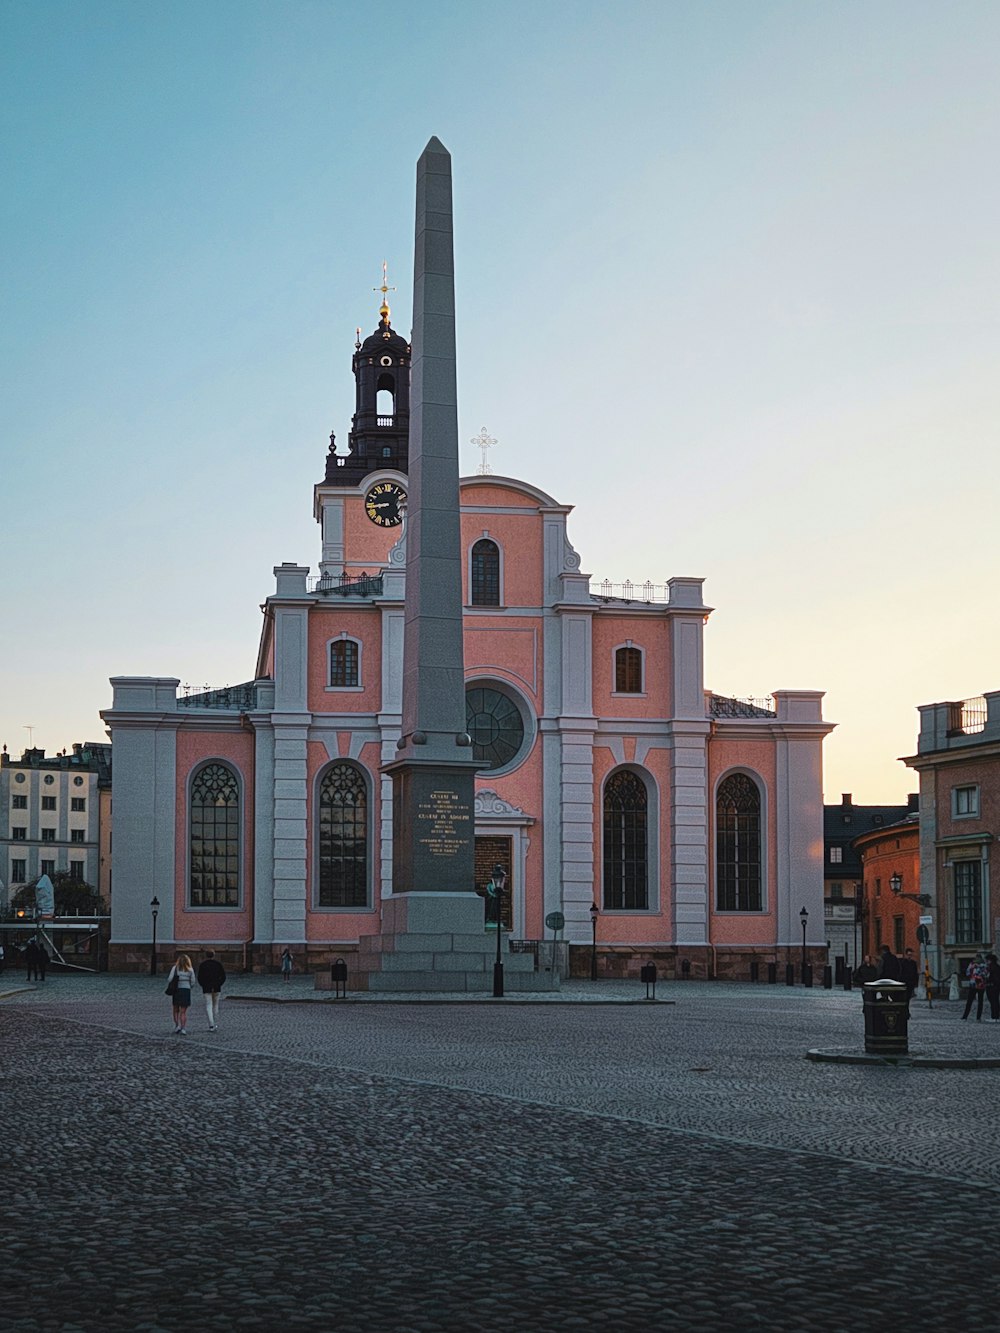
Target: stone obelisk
{"points": [[433, 923]]}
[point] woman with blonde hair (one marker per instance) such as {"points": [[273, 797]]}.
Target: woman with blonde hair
{"points": [[180, 981]]}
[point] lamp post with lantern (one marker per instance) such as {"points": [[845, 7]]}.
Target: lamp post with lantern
{"points": [[495, 890], [154, 907], [806, 970], [594, 914]]}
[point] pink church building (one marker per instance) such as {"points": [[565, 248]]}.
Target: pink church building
{"points": [[260, 818]]}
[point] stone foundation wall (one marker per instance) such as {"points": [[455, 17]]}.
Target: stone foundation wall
{"points": [[704, 964]]}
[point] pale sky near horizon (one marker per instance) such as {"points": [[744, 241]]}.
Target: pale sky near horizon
{"points": [[728, 282]]}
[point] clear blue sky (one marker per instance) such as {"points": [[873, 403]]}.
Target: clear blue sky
{"points": [[728, 282]]}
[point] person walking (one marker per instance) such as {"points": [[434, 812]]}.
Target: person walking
{"points": [[183, 973], [993, 986], [43, 959], [286, 965], [211, 978], [866, 972], [909, 975], [976, 974], [31, 959], [888, 965]]}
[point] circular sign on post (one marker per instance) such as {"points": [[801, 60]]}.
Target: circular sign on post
{"points": [[555, 921], [923, 934]]}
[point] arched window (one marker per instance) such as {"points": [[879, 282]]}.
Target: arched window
{"points": [[215, 837], [385, 398], [343, 838], [626, 855], [628, 670], [737, 845], [485, 578], [344, 663]]}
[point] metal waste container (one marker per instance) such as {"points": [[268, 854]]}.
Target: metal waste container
{"points": [[885, 1017]]}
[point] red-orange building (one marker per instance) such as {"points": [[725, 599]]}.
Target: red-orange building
{"points": [[891, 904]]}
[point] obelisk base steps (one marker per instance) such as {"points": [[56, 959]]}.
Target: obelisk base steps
{"points": [[438, 942]]}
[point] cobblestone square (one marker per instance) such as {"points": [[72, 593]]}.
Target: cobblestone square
{"points": [[381, 1166]]}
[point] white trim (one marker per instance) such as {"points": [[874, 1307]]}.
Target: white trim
{"points": [[628, 694], [343, 637]]}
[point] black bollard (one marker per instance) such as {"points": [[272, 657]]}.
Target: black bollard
{"points": [[828, 977], [754, 970], [772, 973], [789, 975]]}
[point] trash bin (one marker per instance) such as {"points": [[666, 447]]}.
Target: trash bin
{"points": [[338, 978], [885, 1017]]}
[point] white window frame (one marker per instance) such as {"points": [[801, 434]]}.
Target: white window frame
{"points": [[343, 637], [967, 789]]}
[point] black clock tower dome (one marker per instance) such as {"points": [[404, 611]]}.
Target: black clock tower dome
{"points": [[380, 428]]}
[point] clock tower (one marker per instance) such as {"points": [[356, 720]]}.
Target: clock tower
{"points": [[377, 458]]}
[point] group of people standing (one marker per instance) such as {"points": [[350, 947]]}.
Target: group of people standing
{"points": [[181, 978], [36, 960]]}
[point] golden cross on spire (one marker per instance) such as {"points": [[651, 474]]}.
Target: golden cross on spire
{"points": [[384, 289]]}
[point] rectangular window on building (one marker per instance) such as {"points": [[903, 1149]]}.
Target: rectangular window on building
{"points": [[19, 802], [48, 835], [968, 877], [836, 890], [18, 872], [78, 835], [19, 834], [48, 802], [76, 871], [78, 803], [48, 868], [898, 940], [964, 802], [836, 855]]}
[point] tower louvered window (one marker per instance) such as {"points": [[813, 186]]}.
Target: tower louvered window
{"points": [[215, 837], [626, 871], [343, 838], [737, 845]]}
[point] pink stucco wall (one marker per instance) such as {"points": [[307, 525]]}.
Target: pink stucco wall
{"points": [[325, 924], [758, 758], [611, 631], [193, 925], [363, 623]]}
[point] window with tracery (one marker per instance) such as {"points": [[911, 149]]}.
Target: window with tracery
{"points": [[737, 845], [343, 838], [215, 837], [626, 853], [485, 573]]}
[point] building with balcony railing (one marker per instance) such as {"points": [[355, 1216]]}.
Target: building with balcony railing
{"points": [[611, 780]]}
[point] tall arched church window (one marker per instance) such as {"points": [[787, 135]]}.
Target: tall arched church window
{"points": [[485, 573], [737, 845], [343, 838], [626, 852], [628, 671], [215, 837], [344, 661]]}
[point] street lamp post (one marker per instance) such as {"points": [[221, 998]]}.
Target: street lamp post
{"points": [[496, 884], [594, 914], [804, 918], [154, 907]]}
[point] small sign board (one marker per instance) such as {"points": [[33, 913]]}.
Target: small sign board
{"points": [[555, 921], [927, 921]]}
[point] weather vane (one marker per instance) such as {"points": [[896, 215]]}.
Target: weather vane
{"points": [[483, 441]]}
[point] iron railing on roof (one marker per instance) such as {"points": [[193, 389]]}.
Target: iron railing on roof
{"points": [[348, 585], [720, 705], [628, 591], [228, 698], [967, 717]]}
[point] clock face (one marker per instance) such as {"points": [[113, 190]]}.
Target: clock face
{"points": [[385, 504]]}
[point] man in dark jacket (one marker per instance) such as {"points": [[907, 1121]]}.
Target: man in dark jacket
{"points": [[908, 975], [211, 976], [888, 965]]}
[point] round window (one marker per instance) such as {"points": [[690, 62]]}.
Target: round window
{"points": [[496, 724], [49, 779], [78, 782], [18, 777]]}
